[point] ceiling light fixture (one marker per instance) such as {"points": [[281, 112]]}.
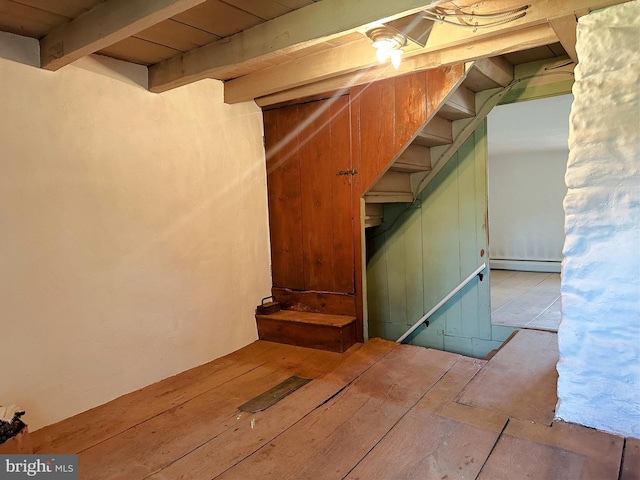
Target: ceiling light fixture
{"points": [[389, 39], [388, 42]]}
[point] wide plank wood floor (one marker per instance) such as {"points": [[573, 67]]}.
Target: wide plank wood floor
{"points": [[525, 299], [379, 411]]}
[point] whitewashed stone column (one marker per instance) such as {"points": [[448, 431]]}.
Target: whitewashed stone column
{"points": [[599, 337]]}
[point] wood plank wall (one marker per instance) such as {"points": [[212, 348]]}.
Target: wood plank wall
{"points": [[389, 114], [314, 212], [284, 196]]}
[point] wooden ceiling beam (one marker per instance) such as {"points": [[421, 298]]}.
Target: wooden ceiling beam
{"points": [[565, 28], [104, 25], [360, 56], [316, 23], [494, 46]]}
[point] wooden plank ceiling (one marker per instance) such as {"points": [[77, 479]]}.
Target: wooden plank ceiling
{"points": [[264, 47]]}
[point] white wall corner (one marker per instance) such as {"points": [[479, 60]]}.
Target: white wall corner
{"points": [[599, 336]]}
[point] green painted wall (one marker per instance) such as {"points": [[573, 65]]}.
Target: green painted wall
{"points": [[423, 250]]}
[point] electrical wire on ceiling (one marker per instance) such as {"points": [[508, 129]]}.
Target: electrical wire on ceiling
{"points": [[472, 19]]}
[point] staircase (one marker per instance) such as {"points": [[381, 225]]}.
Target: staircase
{"points": [[403, 131], [485, 82]]}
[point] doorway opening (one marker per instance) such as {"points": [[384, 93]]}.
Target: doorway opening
{"points": [[527, 160]]}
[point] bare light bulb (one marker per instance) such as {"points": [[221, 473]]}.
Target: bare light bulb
{"points": [[382, 53], [396, 56]]}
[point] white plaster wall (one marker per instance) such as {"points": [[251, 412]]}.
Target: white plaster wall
{"points": [[599, 337], [526, 219], [527, 161], [133, 230]]}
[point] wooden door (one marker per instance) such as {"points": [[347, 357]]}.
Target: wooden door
{"points": [[309, 180]]}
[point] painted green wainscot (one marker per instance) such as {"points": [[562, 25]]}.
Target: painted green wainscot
{"points": [[423, 250]]}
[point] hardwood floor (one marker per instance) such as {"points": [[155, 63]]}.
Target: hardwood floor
{"points": [[525, 299], [379, 411]]}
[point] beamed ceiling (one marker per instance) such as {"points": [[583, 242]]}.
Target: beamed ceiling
{"points": [[277, 50]]}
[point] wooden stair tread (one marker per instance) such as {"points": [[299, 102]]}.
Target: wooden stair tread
{"points": [[323, 331], [389, 197], [310, 318], [488, 73], [415, 158], [374, 213], [407, 168], [438, 131]]}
